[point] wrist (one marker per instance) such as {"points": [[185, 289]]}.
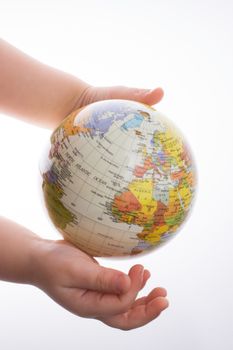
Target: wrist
{"points": [[80, 97], [19, 252], [38, 260]]}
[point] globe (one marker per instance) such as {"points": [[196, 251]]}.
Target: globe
{"points": [[118, 178]]}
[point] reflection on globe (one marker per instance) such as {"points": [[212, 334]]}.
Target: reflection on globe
{"points": [[118, 178]]}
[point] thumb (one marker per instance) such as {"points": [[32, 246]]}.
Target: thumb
{"points": [[93, 94], [105, 280]]}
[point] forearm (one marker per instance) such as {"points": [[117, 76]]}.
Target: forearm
{"points": [[18, 250], [34, 91]]}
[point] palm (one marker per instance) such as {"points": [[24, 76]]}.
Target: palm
{"points": [[142, 311]]}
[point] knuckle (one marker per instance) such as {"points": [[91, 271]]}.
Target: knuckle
{"points": [[101, 280]]}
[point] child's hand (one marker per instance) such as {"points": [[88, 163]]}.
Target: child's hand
{"points": [[78, 283], [50, 95]]}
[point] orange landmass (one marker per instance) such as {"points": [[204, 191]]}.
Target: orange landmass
{"points": [[126, 202], [190, 179], [178, 175], [159, 214], [139, 170], [185, 156], [69, 128]]}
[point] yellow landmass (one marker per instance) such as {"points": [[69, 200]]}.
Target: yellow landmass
{"points": [[152, 238], [128, 218], [174, 203], [185, 193], [155, 235], [173, 228], [143, 191], [172, 145]]}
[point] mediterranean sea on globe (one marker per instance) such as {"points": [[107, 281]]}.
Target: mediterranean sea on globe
{"points": [[118, 178]]}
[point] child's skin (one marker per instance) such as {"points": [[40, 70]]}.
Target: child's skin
{"points": [[44, 96]]}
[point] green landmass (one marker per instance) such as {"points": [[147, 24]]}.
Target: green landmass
{"points": [[58, 213]]}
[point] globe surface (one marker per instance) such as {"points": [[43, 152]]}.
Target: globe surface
{"points": [[118, 178]]}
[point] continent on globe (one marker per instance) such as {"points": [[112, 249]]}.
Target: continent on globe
{"points": [[118, 178]]}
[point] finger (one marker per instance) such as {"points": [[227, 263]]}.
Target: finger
{"points": [[147, 96], [138, 316], [101, 279], [155, 293], [96, 304], [146, 276], [136, 274], [143, 314]]}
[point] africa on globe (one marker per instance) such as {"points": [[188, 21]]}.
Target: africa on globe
{"points": [[118, 178]]}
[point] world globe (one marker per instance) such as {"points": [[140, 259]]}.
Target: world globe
{"points": [[118, 178]]}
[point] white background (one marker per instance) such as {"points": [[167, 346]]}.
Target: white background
{"points": [[185, 47]]}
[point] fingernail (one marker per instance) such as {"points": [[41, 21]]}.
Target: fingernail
{"points": [[167, 304], [141, 272], [161, 90]]}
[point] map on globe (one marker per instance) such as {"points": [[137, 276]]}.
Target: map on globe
{"points": [[118, 178]]}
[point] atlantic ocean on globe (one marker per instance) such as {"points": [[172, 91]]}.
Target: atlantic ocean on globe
{"points": [[118, 178]]}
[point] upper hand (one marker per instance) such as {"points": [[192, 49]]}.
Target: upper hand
{"points": [[92, 94]]}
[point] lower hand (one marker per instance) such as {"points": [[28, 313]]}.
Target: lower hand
{"points": [[78, 283]]}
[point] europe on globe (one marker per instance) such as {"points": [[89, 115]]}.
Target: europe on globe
{"points": [[118, 178]]}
